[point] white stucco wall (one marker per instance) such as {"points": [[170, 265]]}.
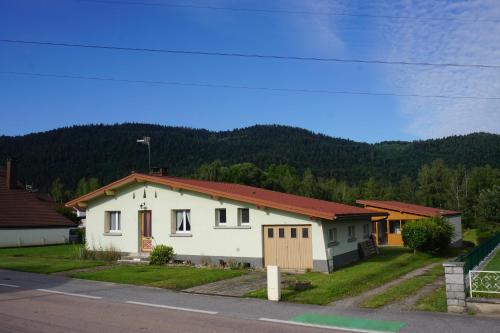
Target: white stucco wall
{"points": [[29, 237], [456, 222], [206, 239], [343, 245]]}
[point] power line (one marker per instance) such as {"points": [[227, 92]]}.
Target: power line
{"points": [[249, 55], [287, 11], [245, 87]]}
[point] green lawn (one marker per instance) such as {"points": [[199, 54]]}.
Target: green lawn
{"points": [[476, 235], [356, 279], [44, 259], [178, 277], [494, 263], [436, 301], [403, 289]]}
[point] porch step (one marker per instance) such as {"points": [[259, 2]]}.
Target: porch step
{"points": [[137, 261], [136, 258]]}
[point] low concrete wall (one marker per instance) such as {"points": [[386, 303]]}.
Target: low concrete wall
{"points": [[486, 306], [455, 286], [30, 237]]}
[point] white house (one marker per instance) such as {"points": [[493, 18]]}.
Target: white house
{"points": [[222, 221], [28, 218]]}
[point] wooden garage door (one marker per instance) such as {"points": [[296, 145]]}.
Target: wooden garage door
{"points": [[289, 247]]}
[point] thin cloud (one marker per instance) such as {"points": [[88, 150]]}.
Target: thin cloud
{"points": [[460, 41]]}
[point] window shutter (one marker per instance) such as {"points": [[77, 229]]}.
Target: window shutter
{"points": [[106, 222], [173, 222]]}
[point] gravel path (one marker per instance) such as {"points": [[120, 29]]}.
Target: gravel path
{"points": [[408, 303], [354, 302]]}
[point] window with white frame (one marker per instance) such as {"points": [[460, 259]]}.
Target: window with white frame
{"points": [[366, 230], [182, 222], [332, 235], [351, 232], [243, 216], [220, 216], [114, 222]]}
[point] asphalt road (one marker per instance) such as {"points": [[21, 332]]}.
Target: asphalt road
{"points": [[46, 303], [34, 311]]}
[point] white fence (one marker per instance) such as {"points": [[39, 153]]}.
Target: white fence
{"points": [[484, 282]]}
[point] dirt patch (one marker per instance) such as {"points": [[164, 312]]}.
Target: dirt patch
{"points": [[84, 270]]}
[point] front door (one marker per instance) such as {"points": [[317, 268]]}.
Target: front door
{"points": [[145, 227]]}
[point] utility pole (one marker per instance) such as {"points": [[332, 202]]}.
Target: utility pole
{"points": [[146, 140]]}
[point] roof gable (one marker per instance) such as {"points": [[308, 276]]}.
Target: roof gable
{"points": [[260, 197]]}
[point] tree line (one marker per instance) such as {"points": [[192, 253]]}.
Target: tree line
{"points": [[475, 191]]}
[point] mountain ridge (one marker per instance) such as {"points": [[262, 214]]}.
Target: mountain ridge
{"points": [[110, 152]]}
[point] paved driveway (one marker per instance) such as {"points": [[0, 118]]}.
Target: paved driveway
{"points": [[236, 287]]}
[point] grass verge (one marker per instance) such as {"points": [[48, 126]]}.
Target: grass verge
{"points": [[403, 289], [44, 259], [177, 277], [435, 301], [356, 279]]}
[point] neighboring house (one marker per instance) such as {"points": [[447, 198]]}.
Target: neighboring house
{"points": [[388, 231], [28, 218], [80, 213], [221, 221]]}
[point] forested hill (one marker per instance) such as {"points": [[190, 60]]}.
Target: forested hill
{"points": [[110, 151]]}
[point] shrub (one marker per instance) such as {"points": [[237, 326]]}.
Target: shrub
{"points": [[161, 255], [427, 235], [109, 253]]}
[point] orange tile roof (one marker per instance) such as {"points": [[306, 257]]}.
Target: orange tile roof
{"points": [[260, 197], [22, 209], [408, 208]]}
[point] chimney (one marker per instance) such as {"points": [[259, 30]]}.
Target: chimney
{"points": [[10, 175], [158, 171]]}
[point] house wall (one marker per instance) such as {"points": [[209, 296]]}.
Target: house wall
{"points": [[206, 239], [344, 251], [456, 222], [35, 236]]}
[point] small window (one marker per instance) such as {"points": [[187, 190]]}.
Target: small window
{"points": [[293, 232], [281, 232], [332, 235], [244, 215], [182, 221], [114, 222], [366, 230], [220, 216], [305, 233], [270, 233], [351, 231]]}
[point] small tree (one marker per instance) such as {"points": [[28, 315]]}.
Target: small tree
{"points": [[415, 234], [427, 235], [488, 208]]}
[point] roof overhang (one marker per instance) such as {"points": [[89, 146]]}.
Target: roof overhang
{"points": [[216, 194]]}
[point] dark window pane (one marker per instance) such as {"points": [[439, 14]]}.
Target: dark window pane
{"points": [[270, 233], [245, 215], [305, 233], [222, 215], [281, 232], [293, 232]]}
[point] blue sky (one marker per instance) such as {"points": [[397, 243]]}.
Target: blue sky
{"points": [[30, 104]]}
